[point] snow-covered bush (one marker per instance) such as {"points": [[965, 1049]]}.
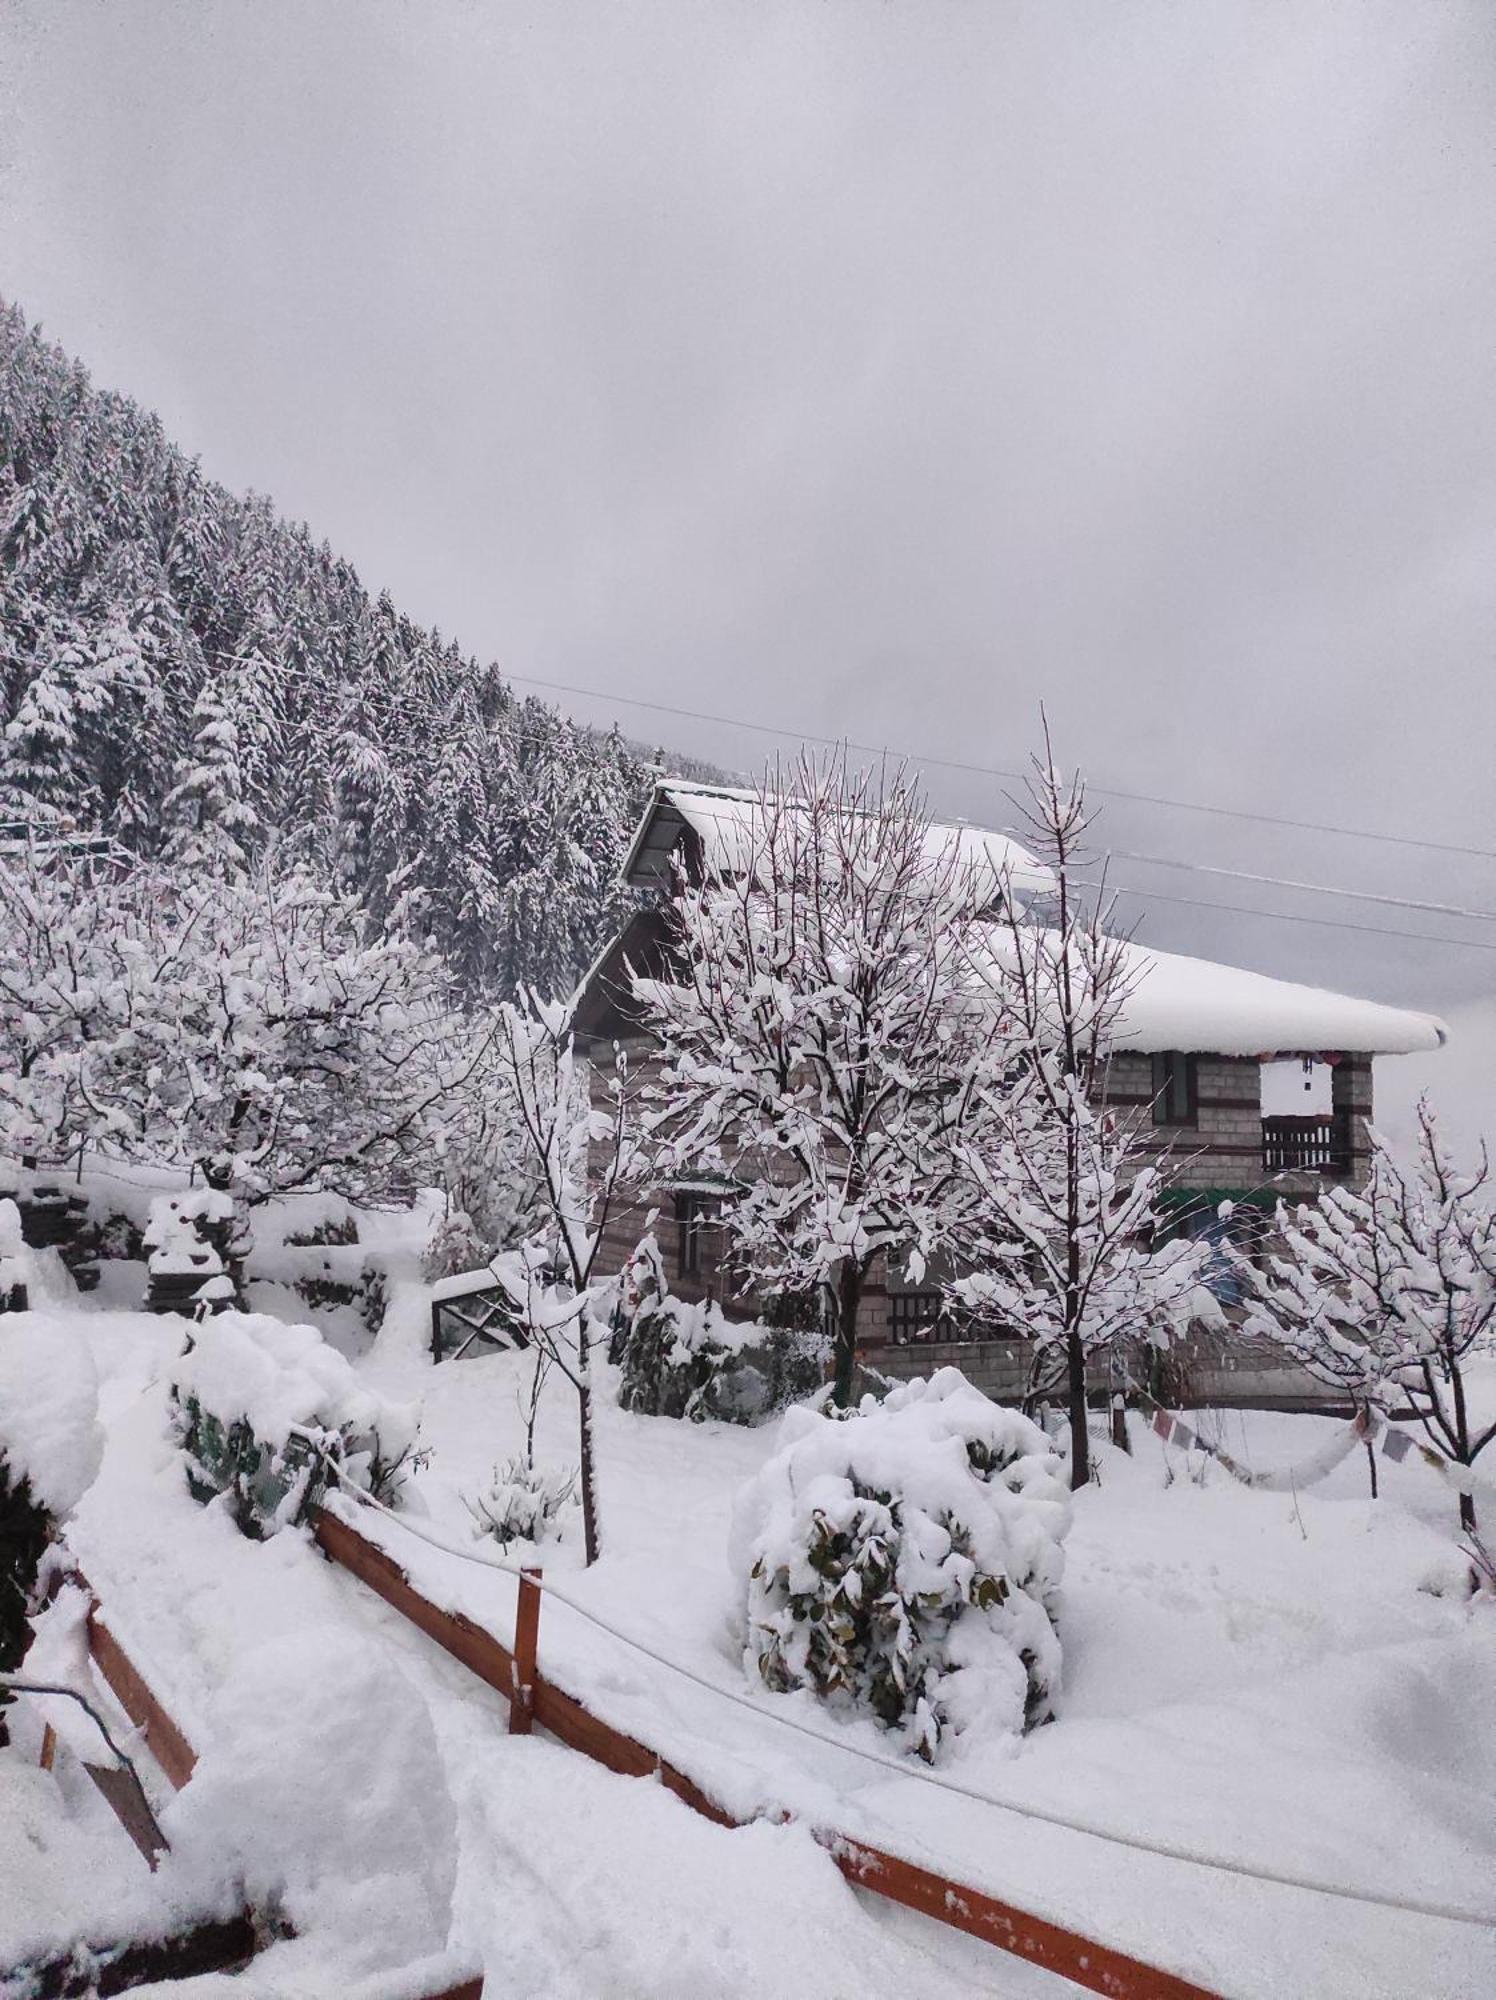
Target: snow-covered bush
{"points": [[50, 1445], [902, 1561], [524, 1503], [680, 1359], [257, 1404]]}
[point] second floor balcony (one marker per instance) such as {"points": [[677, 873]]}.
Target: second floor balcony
{"points": [[1307, 1145]]}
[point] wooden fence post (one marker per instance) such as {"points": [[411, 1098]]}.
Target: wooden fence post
{"points": [[526, 1640]]}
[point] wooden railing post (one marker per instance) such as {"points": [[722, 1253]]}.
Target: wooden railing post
{"points": [[526, 1640]]}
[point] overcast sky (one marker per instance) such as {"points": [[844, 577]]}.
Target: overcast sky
{"points": [[876, 369]]}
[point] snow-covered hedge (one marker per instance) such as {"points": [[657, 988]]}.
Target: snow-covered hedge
{"points": [[256, 1405], [691, 1360], [902, 1560]]}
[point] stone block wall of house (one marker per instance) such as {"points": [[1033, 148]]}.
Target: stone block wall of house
{"points": [[1221, 1151], [1223, 1147]]}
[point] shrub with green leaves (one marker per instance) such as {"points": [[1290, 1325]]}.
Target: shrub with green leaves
{"points": [[262, 1413], [901, 1560], [683, 1359]]}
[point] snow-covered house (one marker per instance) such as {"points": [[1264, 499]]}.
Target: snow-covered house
{"points": [[1259, 1088]]}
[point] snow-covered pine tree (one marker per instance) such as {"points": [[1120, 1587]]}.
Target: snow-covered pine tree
{"points": [[1389, 1291], [106, 528], [210, 824]]}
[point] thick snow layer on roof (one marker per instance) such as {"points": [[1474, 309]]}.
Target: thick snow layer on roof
{"points": [[722, 818], [1194, 1004]]}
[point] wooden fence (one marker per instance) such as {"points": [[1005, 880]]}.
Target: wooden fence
{"points": [[533, 1699]]}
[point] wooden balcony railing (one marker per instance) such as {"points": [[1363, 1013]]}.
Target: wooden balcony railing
{"points": [[1306, 1145]]}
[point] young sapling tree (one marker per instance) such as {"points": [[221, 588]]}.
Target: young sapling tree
{"points": [[1389, 1291], [1060, 1243], [577, 1145]]}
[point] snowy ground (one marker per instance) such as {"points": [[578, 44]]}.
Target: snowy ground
{"points": [[1270, 1679]]}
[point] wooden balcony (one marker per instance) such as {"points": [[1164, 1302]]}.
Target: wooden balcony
{"points": [[1306, 1145]]}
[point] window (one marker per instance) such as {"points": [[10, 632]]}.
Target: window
{"points": [[1243, 1231], [1176, 1088], [916, 1316], [695, 1217]]}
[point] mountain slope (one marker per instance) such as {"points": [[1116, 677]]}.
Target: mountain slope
{"points": [[176, 662]]}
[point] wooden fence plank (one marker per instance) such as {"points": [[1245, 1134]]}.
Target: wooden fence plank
{"points": [[165, 1741], [478, 1650], [1095, 1966]]}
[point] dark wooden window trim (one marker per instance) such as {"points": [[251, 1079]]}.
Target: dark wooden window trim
{"points": [[695, 1223], [1176, 1088]]}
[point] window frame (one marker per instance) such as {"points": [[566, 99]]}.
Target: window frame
{"points": [[696, 1212], [1176, 1087]]}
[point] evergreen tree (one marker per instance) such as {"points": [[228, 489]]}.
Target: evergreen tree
{"points": [[387, 759], [211, 826]]}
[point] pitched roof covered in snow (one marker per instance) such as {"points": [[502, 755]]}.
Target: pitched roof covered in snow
{"points": [[721, 819], [1194, 1004], [1197, 1006], [1173, 1002]]}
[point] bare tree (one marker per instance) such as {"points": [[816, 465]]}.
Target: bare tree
{"points": [[820, 1047], [1062, 1247], [578, 1145], [1389, 1291]]}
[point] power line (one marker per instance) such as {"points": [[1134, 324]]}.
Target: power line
{"points": [[1294, 917], [1232, 909], [995, 771], [1310, 888]]}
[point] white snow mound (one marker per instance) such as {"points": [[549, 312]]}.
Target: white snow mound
{"points": [[278, 1377], [49, 1408], [322, 1786]]}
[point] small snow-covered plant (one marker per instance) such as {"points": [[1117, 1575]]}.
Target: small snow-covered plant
{"points": [[524, 1503], [268, 1414], [902, 1561]]}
